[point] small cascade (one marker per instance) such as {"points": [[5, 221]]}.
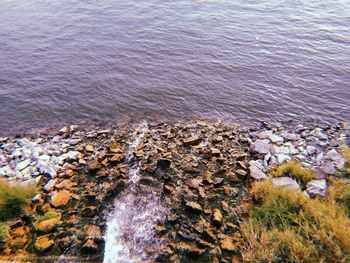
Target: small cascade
{"points": [[137, 210]]}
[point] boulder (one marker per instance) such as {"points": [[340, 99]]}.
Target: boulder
{"points": [[317, 187], [89, 247], [193, 140], [286, 182], [48, 225], [261, 146], [228, 245]]}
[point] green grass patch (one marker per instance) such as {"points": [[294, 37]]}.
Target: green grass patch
{"points": [[283, 226], [294, 170], [13, 199]]}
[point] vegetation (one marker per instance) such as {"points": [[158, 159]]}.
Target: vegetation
{"points": [[284, 226], [294, 170], [13, 199], [346, 154], [339, 193], [4, 232]]}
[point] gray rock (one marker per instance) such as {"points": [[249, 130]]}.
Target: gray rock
{"points": [[281, 158], [261, 146], [276, 139], [317, 187], [286, 182], [311, 149], [50, 185], [264, 134], [22, 165], [336, 157], [255, 172]]}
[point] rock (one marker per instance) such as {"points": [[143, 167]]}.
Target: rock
{"points": [[89, 247], [193, 140], [93, 232], [311, 150], [63, 130], [89, 211], [148, 180], [261, 146], [48, 225], [20, 166], [209, 236], [218, 181], [336, 157], [215, 152], [89, 148], [194, 207], [60, 198], [228, 245], [94, 165], [43, 243], [256, 173], [286, 182], [281, 158], [116, 158], [241, 172], [50, 185], [193, 183], [276, 139], [217, 218], [317, 187], [190, 250]]}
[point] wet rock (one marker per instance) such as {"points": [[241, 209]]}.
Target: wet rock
{"points": [[60, 198], [261, 146], [317, 187], [217, 218], [194, 140], [194, 207], [43, 244], [286, 182]]}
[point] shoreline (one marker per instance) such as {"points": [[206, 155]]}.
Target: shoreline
{"points": [[80, 172]]}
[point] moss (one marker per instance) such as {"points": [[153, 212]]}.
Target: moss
{"points": [[283, 226], [13, 199], [294, 170], [4, 235]]}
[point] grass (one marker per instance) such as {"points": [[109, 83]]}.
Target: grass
{"points": [[294, 170], [283, 226], [346, 154], [4, 235], [13, 199]]}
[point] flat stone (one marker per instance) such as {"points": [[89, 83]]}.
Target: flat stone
{"points": [[194, 207], [89, 148], [20, 166], [276, 139], [256, 173], [281, 158], [336, 157], [193, 140], [286, 182], [261, 146], [317, 187], [60, 198]]}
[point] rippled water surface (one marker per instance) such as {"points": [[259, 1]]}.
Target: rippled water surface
{"points": [[69, 61]]}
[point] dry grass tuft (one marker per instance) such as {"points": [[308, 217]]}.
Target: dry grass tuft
{"points": [[294, 170], [13, 199], [288, 227]]}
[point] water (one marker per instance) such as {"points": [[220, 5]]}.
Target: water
{"points": [[130, 235], [71, 61]]}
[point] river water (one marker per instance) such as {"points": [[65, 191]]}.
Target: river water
{"points": [[72, 61]]}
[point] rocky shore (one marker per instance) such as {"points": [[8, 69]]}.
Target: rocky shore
{"points": [[199, 172]]}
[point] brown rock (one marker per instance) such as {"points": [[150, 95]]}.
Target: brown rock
{"points": [[89, 247], [193, 183], [43, 243], [215, 152], [48, 225], [228, 245], [116, 158], [60, 198], [93, 232], [217, 217], [189, 249], [193, 140], [194, 207], [89, 148], [94, 165], [209, 236]]}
